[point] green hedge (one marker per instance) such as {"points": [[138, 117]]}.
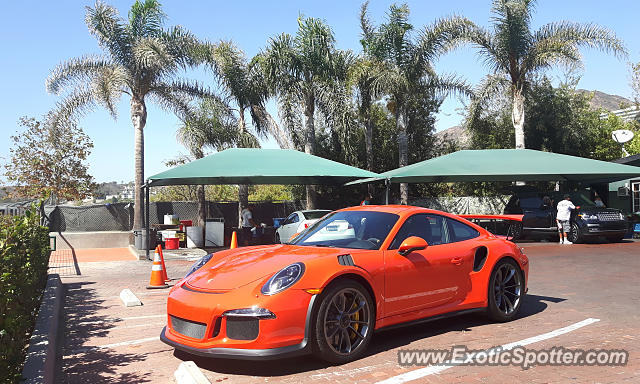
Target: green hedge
{"points": [[24, 259]]}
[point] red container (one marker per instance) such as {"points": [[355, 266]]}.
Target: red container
{"points": [[171, 243], [184, 224]]}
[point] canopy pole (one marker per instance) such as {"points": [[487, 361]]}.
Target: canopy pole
{"points": [[146, 215], [387, 184]]}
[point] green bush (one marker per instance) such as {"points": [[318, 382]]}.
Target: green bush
{"points": [[24, 259]]}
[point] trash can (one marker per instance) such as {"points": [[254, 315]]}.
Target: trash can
{"points": [[140, 238], [214, 232]]}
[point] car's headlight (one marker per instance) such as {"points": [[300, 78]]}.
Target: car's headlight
{"points": [[621, 216], [199, 264], [587, 216], [283, 279]]}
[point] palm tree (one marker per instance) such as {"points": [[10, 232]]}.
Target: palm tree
{"points": [[141, 60], [305, 72], [515, 53], [409, 72], [212, 125], [243, 86]]}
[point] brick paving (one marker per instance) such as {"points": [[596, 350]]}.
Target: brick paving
{"points": [[106, 342]]}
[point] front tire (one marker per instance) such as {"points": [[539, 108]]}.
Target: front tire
{"points": [[344, 322], [506, 290], [276, 239], [575, 236]]}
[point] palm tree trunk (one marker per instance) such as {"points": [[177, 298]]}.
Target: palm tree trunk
{"points": [[139, 120], [310, 145], [517, 117], [403, 155], [202, 206], [368, 139], [243, 189]]}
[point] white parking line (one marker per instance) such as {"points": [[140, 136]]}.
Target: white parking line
{"points": [[434, 369]]}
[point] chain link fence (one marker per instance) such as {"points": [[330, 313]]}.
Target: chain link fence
{"points": [[119, 216]]}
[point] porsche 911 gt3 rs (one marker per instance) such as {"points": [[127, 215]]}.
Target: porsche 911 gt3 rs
{"points": [[356, 271]]}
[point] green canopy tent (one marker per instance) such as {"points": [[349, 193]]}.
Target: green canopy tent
{"points": [[256, 166], [507, 165], [260, 166]]}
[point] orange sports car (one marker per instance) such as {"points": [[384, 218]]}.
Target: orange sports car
{"points": [[355, 271]]}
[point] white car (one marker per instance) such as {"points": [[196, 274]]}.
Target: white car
{"points": [[297, 222]]}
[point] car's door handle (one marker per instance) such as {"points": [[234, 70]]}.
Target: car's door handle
{"points": [[456, 260]]}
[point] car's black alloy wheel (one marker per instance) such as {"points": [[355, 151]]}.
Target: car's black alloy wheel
{"points": [[574, 235], [343, 322], [506, 290], [277, 238]]}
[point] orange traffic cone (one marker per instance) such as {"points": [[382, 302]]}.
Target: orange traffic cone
{"points": [[164, 268], [157, 277], [234, 240]]}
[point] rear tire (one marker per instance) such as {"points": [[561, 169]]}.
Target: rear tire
{"points": [[505, 291], [343, 324]]}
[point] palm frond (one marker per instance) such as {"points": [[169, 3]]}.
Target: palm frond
{"points": [[490, 86], [152, 56], [70, 108], [112, 34], [77, 70], [442, 36], [107, 88], [146, 18]]}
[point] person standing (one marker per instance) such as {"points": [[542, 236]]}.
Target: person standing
{"points": [[247, 224], [366, 199], [564, 218]]}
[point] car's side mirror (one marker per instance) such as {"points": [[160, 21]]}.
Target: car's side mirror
{"points": [[410, 244]]}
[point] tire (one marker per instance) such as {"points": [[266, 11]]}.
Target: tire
{"points": [[276, 240], [339, 336], [505, 291], [574, 235]]}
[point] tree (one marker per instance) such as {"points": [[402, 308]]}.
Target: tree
{"points": [[306, 72], [515, 53], [560, 121], [409, 74], [212, 125], [244, 89], [141, 60], [635, 82], [50, 161]]}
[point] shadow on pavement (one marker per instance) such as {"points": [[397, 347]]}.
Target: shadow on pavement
{"points": [[86, 364], [382, 341]]}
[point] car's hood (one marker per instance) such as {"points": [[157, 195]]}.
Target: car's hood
{"points": [[235, 268]]}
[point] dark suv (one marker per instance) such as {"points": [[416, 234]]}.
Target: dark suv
{"points": [[586, 221]]}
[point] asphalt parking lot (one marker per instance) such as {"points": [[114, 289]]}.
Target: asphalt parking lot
{"points": [[569, 284]]}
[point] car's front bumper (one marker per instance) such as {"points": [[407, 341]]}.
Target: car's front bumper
{"points": [[284, 335]]}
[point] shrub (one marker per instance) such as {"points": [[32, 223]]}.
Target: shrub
{"points": [[24, 259]]}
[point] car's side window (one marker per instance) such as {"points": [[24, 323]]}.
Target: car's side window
{"points": [[461, 231], [432, 228], [293, 218]]}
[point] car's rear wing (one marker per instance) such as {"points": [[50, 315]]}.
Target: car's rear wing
{"points": [[505, 226]]}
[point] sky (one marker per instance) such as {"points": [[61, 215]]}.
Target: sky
{"points": [[37, 36]]}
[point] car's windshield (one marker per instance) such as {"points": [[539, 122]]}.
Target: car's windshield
{"points": [[349, 229], [312, 215]]}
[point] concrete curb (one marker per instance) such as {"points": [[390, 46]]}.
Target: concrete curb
{"points": [[189, 373], [40, 363]]}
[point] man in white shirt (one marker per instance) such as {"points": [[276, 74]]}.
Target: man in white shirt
{"points": [[564, 218], [247, 224]]}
